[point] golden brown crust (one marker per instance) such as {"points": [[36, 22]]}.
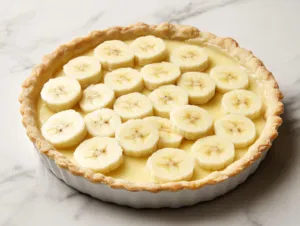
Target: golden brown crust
{"points": [[52, 62]]}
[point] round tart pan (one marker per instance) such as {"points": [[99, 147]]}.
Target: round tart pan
{"points": [[151, 195]]}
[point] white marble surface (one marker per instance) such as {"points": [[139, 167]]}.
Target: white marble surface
{"points": [[30, 195]]}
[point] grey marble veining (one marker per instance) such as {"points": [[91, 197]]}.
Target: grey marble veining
{"points": [[29, 29], [191, 9]]}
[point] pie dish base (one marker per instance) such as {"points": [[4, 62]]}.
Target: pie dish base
{"points": [[146, 199]]}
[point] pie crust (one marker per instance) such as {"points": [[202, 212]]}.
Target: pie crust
{"points": [[32, 86]]}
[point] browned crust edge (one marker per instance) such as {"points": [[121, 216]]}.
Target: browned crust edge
{"points": [[53, 61]]}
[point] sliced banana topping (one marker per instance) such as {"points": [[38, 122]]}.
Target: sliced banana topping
{"points": [[159, 74], [149, 49], [199, 86], [171, 164], [229, 78], [137, 137], [213, 152], [166, 98], [114, 54], [237, 128], [190, 58], [124, 81], [64, 129], [140, 100], [86, 69], [168, 137], [191, 121], [242, 102], [133, 106], [61, 93], [95, 97], [101, 154], [102, 122]]}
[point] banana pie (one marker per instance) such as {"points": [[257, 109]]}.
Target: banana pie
{"points": [[151, 108]]}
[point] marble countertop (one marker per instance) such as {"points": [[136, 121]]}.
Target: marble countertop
{"points": [[30, 195]]}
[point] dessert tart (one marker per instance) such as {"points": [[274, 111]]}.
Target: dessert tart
{"points": [[151, 115]]}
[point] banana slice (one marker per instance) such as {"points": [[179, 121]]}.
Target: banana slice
{"points": [[64, 129], [100, 154], [159, 74], [171, 164], [86, 69], [148, 49], [102, 122], [237, 128], [213, 152], [191, 121], [124, 81], [168, 138], [95, 97], [242, 102], [61, 93], [114, 54], [190, 58], [229, 78], [199, 86], [166, 98], [137, 137], [133, 106]]}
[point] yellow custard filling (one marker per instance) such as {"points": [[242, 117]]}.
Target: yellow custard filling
{"points": [[134, 169]]}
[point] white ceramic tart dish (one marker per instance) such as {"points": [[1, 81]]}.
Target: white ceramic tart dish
{"points": [[151, 116]]}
